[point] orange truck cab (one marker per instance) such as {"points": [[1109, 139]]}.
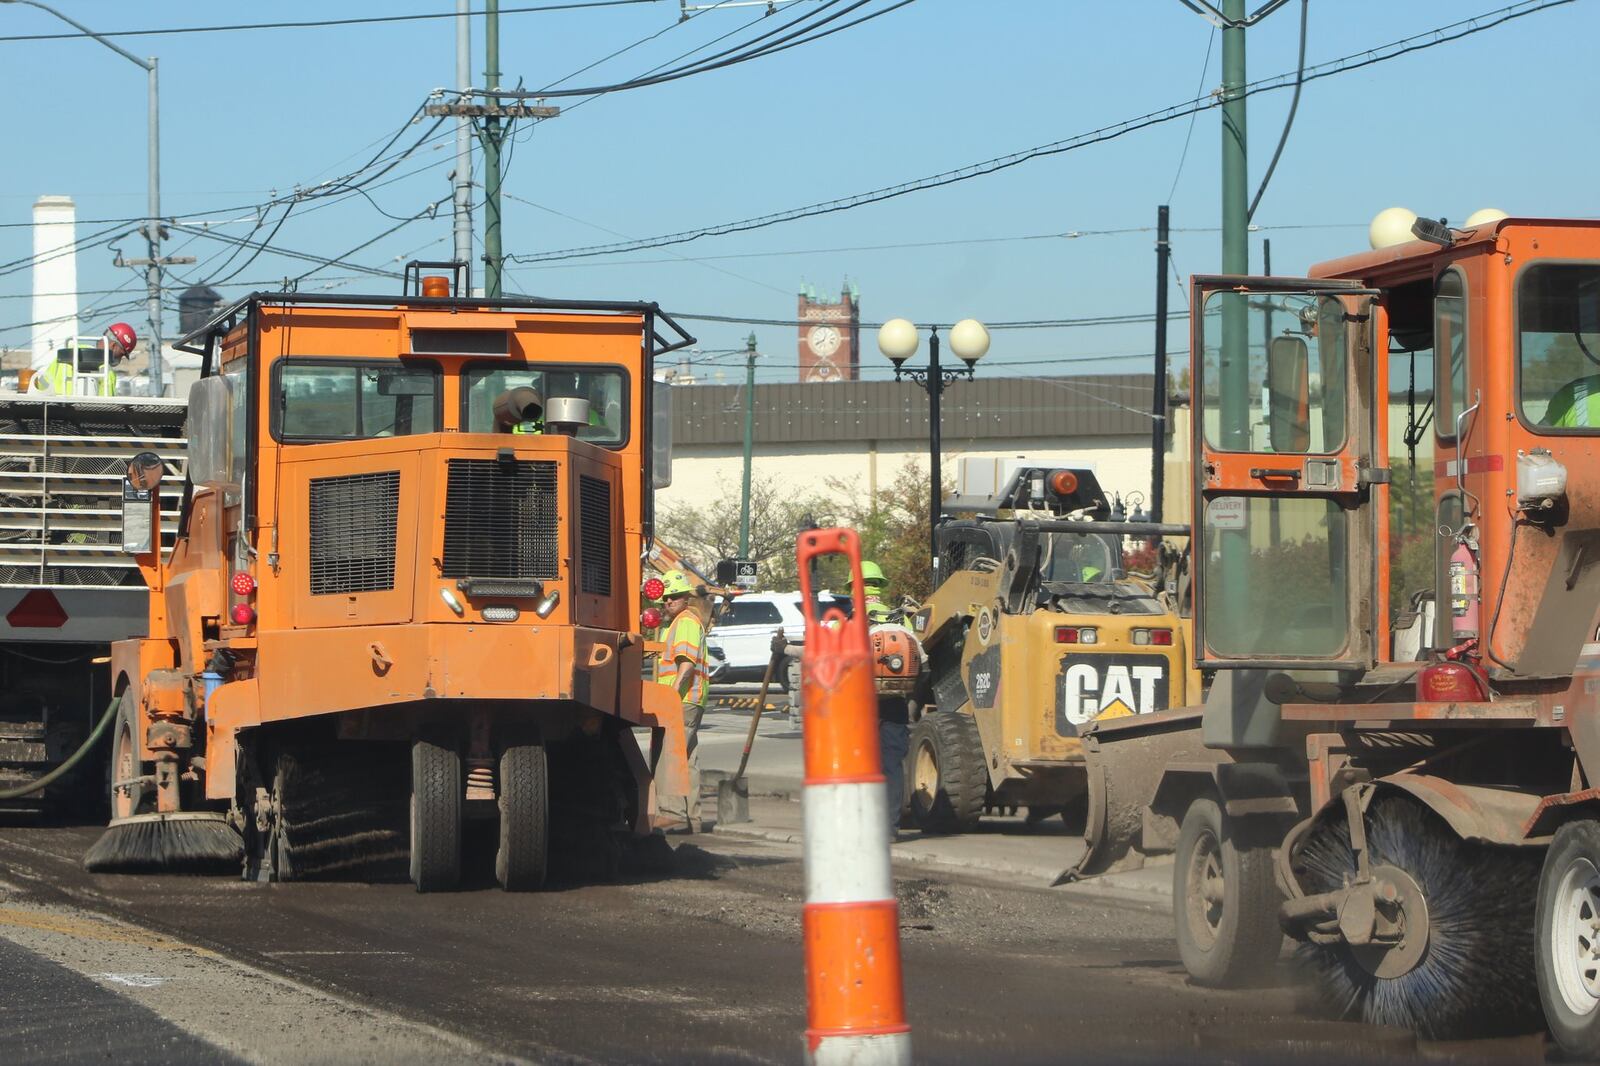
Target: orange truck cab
{"points": [[405, 588]]}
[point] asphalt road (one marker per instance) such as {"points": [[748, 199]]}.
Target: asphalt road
{"points": [[703, 965]]}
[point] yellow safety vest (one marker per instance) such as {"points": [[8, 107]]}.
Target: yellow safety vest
{"points": [[61, 377], [685, 639]]}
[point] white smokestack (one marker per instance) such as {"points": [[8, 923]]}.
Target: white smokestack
{"points": [[55, 277]]}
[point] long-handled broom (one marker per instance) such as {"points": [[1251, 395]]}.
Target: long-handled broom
{"points": [[733, 794]]}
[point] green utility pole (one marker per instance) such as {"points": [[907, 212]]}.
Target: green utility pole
{"points": [[1235, 369], [492, 121], [491, 135], [749, 443]]}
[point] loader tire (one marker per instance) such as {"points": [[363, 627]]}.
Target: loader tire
{"points": [[1225, 902], [1564, 928], [130, 799], [946, 772], [523, 860], [438, 795]]}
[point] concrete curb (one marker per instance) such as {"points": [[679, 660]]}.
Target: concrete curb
{"points": [[1150, 885]]}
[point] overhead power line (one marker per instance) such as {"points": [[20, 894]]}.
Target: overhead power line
{"points": [[810, 31], [1368, 57], [1039, 323], [303, 24]]}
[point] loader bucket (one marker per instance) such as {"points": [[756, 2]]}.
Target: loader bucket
{"points": [[1126, 759]]}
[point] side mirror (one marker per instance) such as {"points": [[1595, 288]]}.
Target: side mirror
{"points": [[210, 432], [661, 434], [141, 484], [1289, 395]]}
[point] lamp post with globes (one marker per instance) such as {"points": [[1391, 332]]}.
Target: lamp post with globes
{"points": [[898, 340]]}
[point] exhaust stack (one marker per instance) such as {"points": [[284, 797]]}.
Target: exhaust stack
{"points": [[55, 278]]}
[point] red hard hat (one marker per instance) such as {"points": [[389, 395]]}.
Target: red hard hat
{"points": [[124, 335]]}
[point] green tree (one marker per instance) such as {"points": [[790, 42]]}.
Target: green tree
{"points": [[894, 530], [705, 533]]}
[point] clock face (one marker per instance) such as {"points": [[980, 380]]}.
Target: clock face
{"points": [[824, 340]]}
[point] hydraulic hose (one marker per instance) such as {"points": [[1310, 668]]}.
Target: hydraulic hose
{"points": [[72, 760]]}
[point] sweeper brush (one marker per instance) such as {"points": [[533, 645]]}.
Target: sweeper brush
{"points": [[183, 842], [1469, 972]]}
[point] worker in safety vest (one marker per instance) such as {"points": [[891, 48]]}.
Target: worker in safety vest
{"points": [[1576, 405], [60, 377], [894, 712], [682, 665]]}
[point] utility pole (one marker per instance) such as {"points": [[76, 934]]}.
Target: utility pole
{"points": [[492, 136], [492, 132], [463, 175], [1158, 406], [1234, 373], [749, 443], [1235, 370]]}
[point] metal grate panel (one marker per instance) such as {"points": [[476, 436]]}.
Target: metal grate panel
{"points": [[501, 519], [61, 467], [353, 532], [594, 531]]}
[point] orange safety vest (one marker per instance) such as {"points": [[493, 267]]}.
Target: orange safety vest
{"points": [[685, 639]]}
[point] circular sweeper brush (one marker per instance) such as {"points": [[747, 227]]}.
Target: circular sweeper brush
{"points": [[1445, 945]]}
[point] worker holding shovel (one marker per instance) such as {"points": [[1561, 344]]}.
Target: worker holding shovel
{"points": [[682, 665]]}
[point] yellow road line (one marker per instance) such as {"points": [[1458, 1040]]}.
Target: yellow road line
{"points": [[94, 929]]}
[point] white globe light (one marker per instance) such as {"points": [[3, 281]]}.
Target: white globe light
{"points": [[969, 339], [1391, 226], [1484, 216], [897, 339]]}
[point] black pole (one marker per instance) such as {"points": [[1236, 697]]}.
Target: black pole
{"points": [[936, 506], [1158, 407]]}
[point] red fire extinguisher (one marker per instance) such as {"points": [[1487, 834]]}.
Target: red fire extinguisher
{"points": [[1464, 597]]}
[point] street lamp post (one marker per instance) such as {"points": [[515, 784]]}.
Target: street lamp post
{"points": [[897, 339], [152, 227]]}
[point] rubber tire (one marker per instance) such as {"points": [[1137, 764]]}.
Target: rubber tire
{"points": [[957, 749], [438, 795], [523, 858], [1578, 1035], [1248, 939], [123, 732]]}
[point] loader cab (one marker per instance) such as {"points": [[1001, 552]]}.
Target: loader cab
{"points": [[1354, 429]]}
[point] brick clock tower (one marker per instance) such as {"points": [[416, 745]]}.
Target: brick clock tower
{"points": [[830, 335]]}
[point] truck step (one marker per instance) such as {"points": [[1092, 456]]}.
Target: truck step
{"points": [[14, 751]]}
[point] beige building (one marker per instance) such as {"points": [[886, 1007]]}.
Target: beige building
{"points": [[862, 433]]}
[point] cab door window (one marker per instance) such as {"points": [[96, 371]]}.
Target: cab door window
{"points": [[1558, 347], [1450, 367], [323, 400], [1284, 391]]}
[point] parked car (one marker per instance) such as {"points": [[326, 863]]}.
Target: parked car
{"points": [[741, 635]]}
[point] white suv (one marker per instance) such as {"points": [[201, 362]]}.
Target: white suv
{"points": [[743, 629]]}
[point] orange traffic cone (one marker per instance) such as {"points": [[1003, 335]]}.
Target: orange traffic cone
{"points": [[855, 1005]]}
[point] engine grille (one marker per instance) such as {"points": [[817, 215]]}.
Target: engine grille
{"points": [[353, 531], [500, 519], [594, 507]]}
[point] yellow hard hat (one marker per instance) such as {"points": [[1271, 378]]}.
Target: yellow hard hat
{"points": [[871, 576], [676, 583]]}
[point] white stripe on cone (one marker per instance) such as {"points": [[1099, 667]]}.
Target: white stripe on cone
{"points": [[878, 1049], [847, 842]]}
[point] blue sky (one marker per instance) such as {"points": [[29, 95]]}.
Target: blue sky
{"points": [[1503, 118]]}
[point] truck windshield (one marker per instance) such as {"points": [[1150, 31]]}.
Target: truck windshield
{"points": [[325, 400], [605, 389], [1077, 557], [1558, 346]]}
